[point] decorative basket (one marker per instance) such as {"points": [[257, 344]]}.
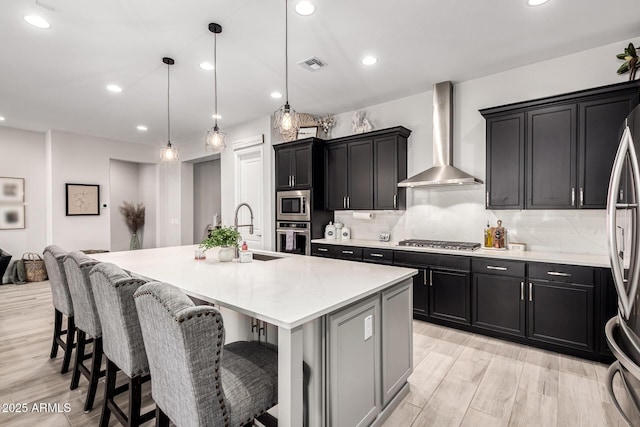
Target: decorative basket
{"points": [[34, 267]]}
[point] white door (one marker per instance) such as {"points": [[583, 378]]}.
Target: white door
{"points": [[249, 189]]}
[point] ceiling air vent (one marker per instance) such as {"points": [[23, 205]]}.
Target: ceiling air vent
{"points": [[312, 64]]}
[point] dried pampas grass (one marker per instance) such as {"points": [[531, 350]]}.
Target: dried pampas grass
{"points": [[133, 215]]}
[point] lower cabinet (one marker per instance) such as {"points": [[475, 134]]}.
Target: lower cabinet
{"points": [[420, 295], [499, 303], [561, 314], [449, 295], [370, 355]]}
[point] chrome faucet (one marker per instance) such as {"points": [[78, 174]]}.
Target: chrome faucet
{"points": [[236, 226]]}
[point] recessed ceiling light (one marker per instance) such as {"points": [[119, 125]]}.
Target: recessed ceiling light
{"points": [[141, 128], [276, 95], [216, 116], [37, 21], [305, 8], [369, 60], [1, 119], [207, 66], [536, 2], [114, 88]]}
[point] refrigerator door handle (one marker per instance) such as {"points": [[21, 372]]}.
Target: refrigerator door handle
{"points": [[611, 373], [625, 297]]}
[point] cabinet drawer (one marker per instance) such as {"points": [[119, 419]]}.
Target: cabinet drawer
{"points": [[562, 273], [499, 267], [323, 250], [379, 256], [348, 252], [420, 259]]}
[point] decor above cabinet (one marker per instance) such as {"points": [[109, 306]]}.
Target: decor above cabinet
{"points": [[556, 152], [363, 171]]}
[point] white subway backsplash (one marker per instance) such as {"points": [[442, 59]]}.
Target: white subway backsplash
{"points": [[458, 214]]}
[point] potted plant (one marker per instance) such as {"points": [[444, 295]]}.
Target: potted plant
{"points": [[224, 237]]}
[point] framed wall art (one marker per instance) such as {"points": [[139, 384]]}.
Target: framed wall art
{"points": [[11, 217], [307, 132], [83, 199], [11, 190]]}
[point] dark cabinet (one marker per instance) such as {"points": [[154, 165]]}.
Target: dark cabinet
{"points": [[449, 295], [351, 253], [505, 162], [297, 162], [363, 171], [570, 142], [499, 296], [551, 160], [420, 295]]}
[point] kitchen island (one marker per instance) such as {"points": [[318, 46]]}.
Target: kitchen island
{"points": [[298, 294]]}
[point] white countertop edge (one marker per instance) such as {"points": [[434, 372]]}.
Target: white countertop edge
{"points": [[588, 260]]}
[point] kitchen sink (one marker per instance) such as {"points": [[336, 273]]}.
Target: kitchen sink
{"points": [[263, 257]]}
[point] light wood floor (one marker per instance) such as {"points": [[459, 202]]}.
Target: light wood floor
{"points": [[459, 379]]}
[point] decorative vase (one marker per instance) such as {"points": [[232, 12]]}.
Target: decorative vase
{"points": [[225, 254], [135, 242]]}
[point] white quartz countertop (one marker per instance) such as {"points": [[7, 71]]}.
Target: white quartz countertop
{"points": [[286, 292], [535, 256]]}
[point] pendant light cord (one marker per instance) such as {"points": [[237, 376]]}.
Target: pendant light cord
{"points": [[286, 53], [215, 78], [168, 104]]}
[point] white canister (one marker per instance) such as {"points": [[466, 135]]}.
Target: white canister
{"points": [[338, 229], [345, 233], [330, 231]]}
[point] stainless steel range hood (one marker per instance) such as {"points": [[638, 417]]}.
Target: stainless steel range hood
{"points": [[443, 172]]}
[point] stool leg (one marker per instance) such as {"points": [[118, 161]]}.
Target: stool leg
{"points": [[161, 418], [135, 400], [71, 334], [57, 329], [75, 377], [109, 387], [96, 361]]}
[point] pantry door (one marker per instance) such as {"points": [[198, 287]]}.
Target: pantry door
{"points": [[249, 188]]}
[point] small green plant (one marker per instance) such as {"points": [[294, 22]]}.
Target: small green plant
{"points": [[631, 62], [223, 236]]}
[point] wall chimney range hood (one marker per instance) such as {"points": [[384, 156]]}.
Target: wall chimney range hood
{"points": [[443, 172]]}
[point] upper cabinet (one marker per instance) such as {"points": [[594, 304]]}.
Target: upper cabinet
{"points": [[299, 164], [556, 152], [363, 171]]}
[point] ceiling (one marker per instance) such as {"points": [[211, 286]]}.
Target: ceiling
{"points": [[56, 78]]}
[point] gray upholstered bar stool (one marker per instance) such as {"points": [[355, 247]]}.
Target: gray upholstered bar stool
{"points": [[196, 381], [53, 261], [77, 266], [123, 347]]}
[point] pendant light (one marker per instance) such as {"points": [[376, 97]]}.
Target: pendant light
{"points": [[168, 153], [215, 140], [286, 120]]}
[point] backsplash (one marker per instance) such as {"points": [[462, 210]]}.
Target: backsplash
{"points": [[452, 213]]}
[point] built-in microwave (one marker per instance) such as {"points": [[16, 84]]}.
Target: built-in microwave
{"points": [[293, 205]]}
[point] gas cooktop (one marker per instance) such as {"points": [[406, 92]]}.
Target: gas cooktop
{"points": [[440, 244]]}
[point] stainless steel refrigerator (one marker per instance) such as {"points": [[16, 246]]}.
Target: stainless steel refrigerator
{"points": [[623, 234]]}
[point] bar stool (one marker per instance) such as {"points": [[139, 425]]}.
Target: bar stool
{"points": [[77, 266], [197, 381], [122, 341], [53, 260]]}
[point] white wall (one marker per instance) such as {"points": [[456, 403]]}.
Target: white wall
{"points": [[22, 155], [459, 213], [85, 159]]}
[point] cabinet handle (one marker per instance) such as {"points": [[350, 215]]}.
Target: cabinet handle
{"points": [[573, 196], [522, 291], [348, 252], [430, 277], [621, 194], [487, 200], [293, 179], [395, 201], [581, 196], [530, 292], [377, 255], [344, 202], [348, 202], [491, 267], [425, 277], [557, 273], [323, 250]]}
